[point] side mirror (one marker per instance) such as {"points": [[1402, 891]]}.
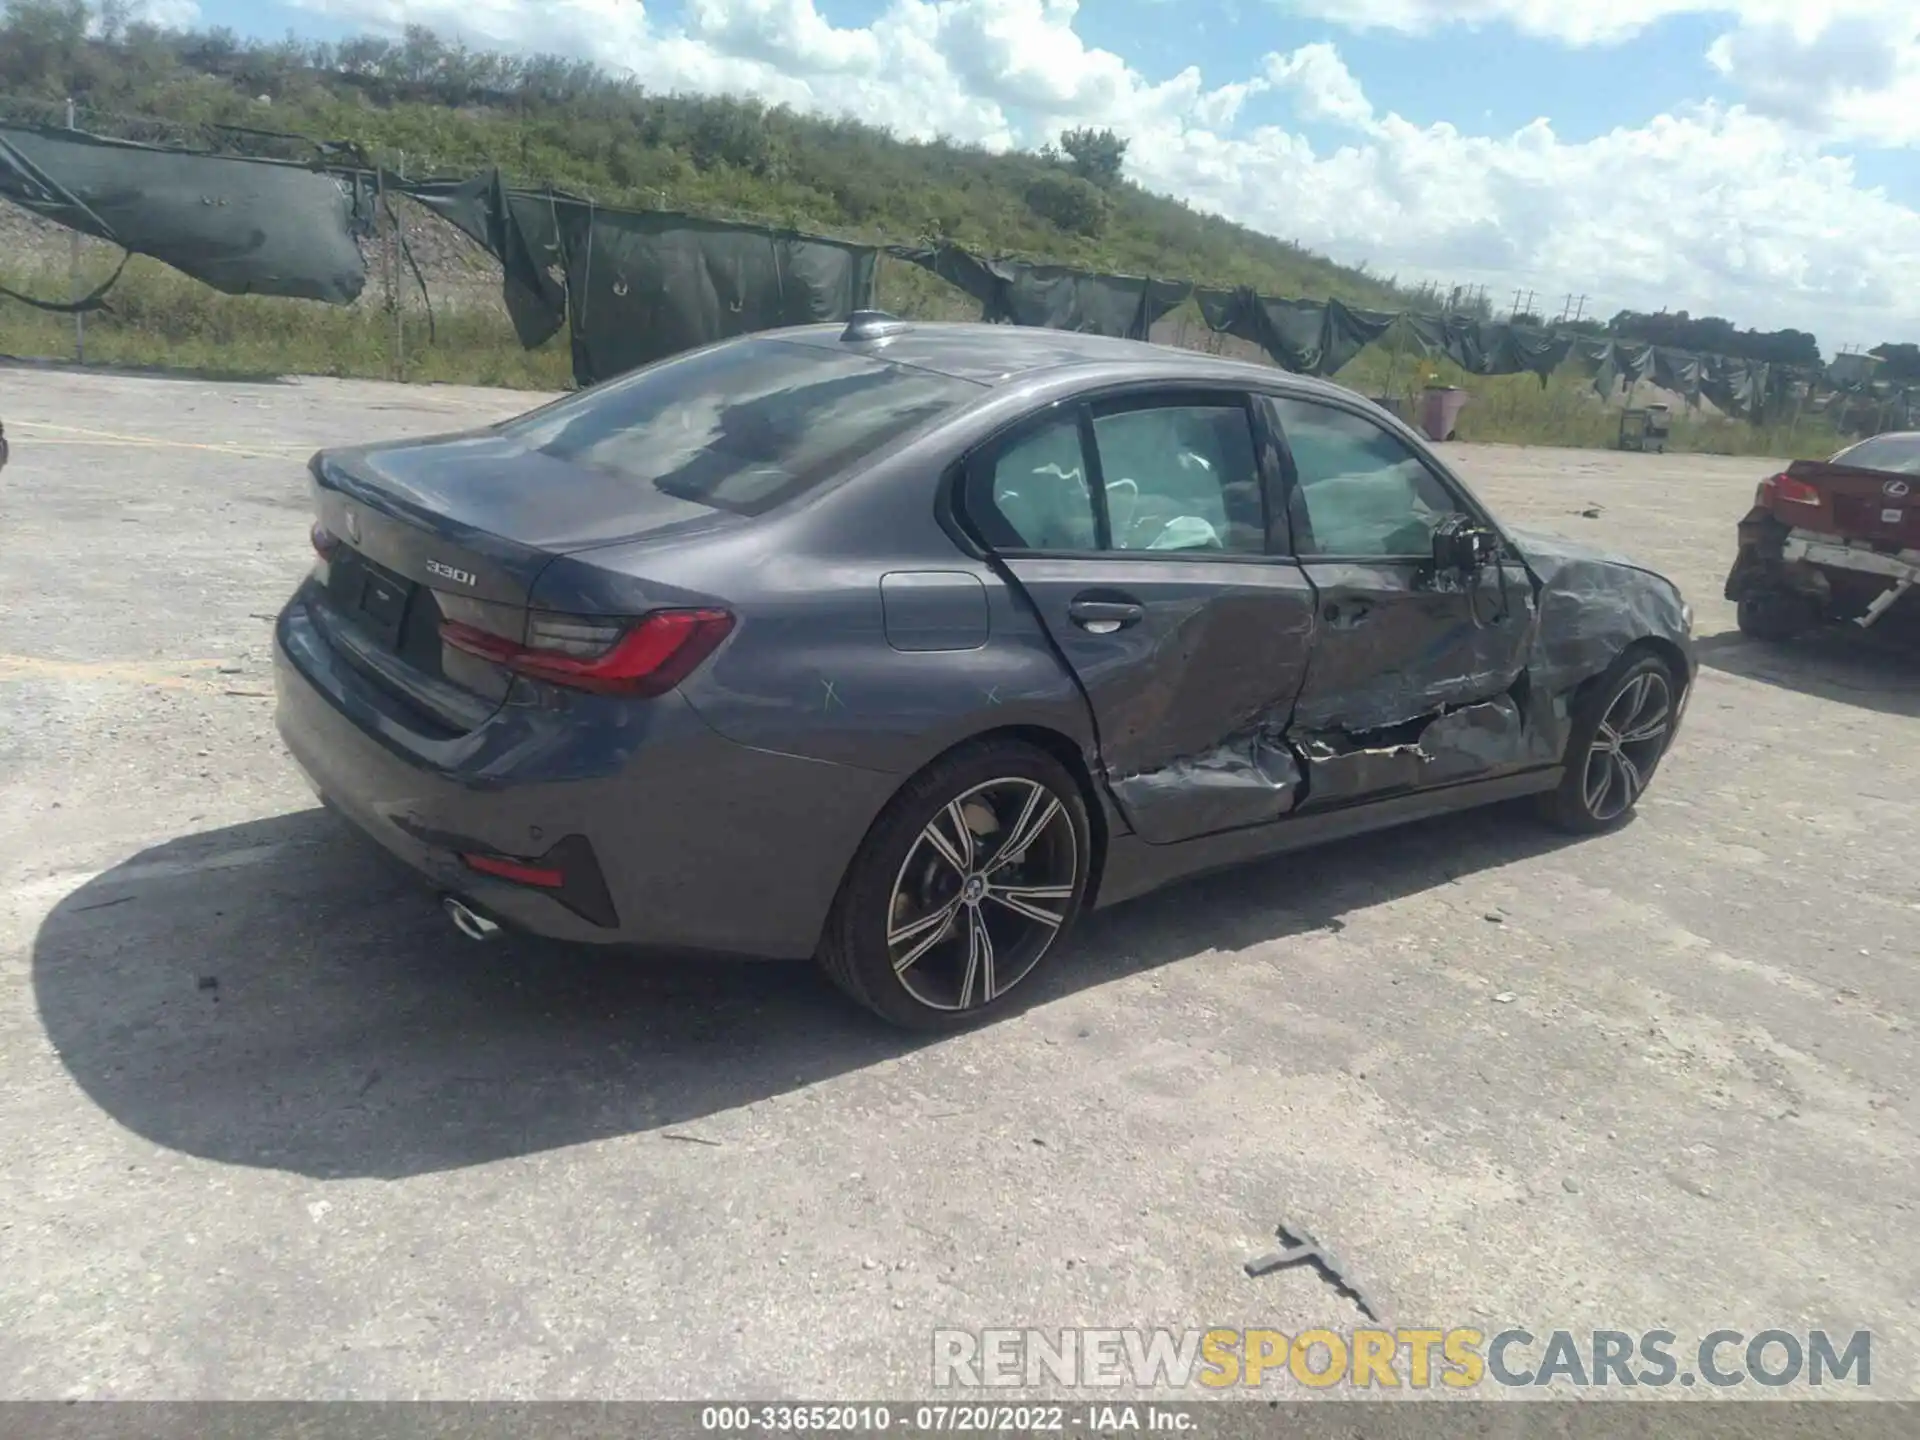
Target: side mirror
{"points": [[1462, 545]]}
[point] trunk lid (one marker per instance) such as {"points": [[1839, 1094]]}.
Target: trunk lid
{"points": [[459, 528], [1851, 502]]}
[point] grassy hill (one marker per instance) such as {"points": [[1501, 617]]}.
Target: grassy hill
{"points": [[449, 110]]}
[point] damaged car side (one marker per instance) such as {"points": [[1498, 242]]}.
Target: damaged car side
{"points": [[1830, 541], [929, 638]]}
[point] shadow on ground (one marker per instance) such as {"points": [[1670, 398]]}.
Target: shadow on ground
{"points": [[1875, 669], [278, 994]]}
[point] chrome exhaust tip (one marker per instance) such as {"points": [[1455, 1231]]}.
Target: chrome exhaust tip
{"points": [[468, 921]]}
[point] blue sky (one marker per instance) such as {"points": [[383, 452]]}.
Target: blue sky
{"points": [[1758, 158]]}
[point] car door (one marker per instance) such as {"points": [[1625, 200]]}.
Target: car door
{"points": [[1137, 525], [1413, 669]]}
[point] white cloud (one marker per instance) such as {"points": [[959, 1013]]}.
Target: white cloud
{"points": [[1581, 24], [1716, 210], [1844, 69], [1856, 77], [1322, 86], [1732, 209], [166, 14]]}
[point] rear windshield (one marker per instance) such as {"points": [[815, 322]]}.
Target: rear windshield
{"points": [[1899, 454], [740, 427]]}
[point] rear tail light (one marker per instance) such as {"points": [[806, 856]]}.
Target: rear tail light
{"points": [[645, 657], [1792, 491], [325, 542]]}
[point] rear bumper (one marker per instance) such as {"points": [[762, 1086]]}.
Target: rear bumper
{"points": [[1898, 566], [1842, 577], [701, 844]]}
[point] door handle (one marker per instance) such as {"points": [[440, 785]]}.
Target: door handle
{"points": [[1104, 617], [1347, 616]]}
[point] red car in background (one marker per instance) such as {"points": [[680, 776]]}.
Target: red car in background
{"points": [[1830, 541]]}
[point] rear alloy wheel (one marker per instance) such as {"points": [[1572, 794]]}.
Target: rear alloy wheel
{"points": [[1776, 616], [1620, 733], [965, 885]]}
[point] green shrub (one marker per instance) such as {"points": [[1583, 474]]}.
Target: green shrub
{"points": [[1073, 204]]}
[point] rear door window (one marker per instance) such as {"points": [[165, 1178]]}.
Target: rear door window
{"points": [[1181, 477], [740, 427], [1176, 478]]}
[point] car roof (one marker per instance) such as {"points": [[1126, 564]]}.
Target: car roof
{"points": [[995, 355]]}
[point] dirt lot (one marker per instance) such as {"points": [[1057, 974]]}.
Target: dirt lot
{"points": [[268, 1128]]}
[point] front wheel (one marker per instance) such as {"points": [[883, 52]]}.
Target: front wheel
{"points": [[1620, 733], [967, 881]]}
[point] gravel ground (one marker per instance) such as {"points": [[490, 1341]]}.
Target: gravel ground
{"points": [[268, 1128]]}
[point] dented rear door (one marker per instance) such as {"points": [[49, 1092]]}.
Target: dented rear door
{"points": [[1137, 529]]}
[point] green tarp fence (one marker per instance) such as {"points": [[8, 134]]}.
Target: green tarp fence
{"points": [[246, 227], [643, 285], [1320, 337], [634, 286], [1014, 292], [1308, 337], [522, 232]]}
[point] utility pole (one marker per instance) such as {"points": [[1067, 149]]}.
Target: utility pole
{"points": [[73, 275]]}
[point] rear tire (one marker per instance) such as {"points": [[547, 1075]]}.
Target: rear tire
{"points": [[1620, 733], [966, 883], [1776, 616]]}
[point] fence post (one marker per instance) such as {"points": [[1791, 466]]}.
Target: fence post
{"points": [[73, 275], [399, 287]]}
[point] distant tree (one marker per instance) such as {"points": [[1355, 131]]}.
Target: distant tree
{"points": [[1099, 156], [1898, 363], [732, 134], [1070, 203], [422, 53], [111, 18], [1526, 317], [211, 52], [43, 48], [368, 55], [1712, 335]]}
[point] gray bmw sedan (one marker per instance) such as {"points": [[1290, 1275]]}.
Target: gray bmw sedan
{"points": [[901, 645]]}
